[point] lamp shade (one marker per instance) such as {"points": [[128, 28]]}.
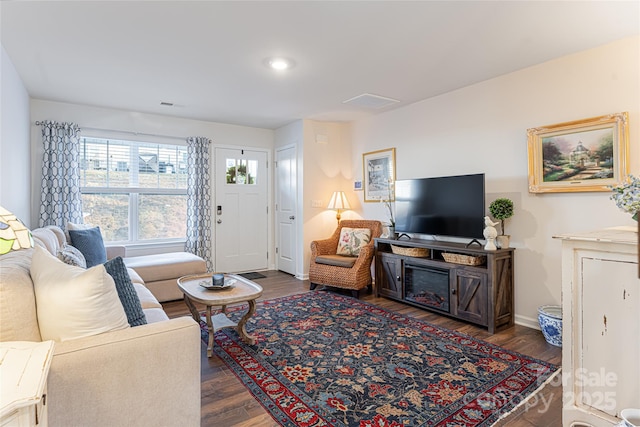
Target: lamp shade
{"points": [[13, 233], [338, 201]]}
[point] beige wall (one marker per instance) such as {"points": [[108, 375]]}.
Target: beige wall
{"points": [[482, 128], [327, 168], [324, 166]]}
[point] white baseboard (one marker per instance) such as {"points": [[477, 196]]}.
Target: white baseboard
{"points": [[526, 321]]}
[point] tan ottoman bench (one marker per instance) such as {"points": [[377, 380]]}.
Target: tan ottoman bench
{"points": [[160, 272]]}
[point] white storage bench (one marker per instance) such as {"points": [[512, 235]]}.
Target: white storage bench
{"points": [[160, 272]]}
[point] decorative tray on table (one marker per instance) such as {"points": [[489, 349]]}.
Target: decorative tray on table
{"points": [[228, 283]]}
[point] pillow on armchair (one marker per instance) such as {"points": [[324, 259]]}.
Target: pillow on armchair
{"points": [[352, 240]]}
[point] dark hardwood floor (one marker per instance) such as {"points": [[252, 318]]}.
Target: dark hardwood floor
{"points": [[226, 402]]}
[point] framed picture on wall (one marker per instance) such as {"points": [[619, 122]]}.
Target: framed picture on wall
{"points": [[379, 171], [583, 155]]}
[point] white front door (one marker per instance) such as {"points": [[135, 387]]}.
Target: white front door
{"points": [[286, 203], [240, 210]]}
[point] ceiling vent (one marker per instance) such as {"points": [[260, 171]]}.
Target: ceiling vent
{"points": [[367, 100]]}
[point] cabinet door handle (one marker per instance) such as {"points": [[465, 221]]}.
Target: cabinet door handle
{"points": [[453, 291], [397, 277]]}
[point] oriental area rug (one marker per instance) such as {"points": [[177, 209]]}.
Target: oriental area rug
{"points": [[323, 359]]}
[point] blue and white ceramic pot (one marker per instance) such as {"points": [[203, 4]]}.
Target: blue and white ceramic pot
{"points": [[550, 320]]}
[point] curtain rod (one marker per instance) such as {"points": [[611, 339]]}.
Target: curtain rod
{"points": [[38, 123]]}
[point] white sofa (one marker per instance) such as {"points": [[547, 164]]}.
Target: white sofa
{"points": [[143, 375]]}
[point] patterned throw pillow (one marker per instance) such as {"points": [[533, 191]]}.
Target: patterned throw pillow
{"points": [[72, 256], [352, 239]]}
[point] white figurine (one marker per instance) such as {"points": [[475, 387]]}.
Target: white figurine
{"points": [[490, 234]]}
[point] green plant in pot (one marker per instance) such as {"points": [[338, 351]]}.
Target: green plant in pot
{"points": [[502, 209]]}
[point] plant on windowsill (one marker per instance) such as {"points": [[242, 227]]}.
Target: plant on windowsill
{"points": [[502, 209], [627, 196]]}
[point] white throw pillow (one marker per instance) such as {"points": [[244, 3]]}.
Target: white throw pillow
{"points": [[73, 302], [352, 239], [74, 226]]}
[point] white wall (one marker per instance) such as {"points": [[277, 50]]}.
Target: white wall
{"points": [[168, 129], [482, 128], [15, 173]]}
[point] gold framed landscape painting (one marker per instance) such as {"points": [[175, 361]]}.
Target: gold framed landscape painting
{"points": [[379, 170], [582, 155]]}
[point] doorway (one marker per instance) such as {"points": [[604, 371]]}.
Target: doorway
{"points": [[286, 209], [241, 210]]}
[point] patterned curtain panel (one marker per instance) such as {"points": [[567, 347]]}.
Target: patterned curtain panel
{"points": [[199, 199], [60, 201]]}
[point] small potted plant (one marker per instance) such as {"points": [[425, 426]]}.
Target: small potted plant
{"points": [[502, 209]]}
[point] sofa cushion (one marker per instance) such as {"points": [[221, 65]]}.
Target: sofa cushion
{"points": [[90, 243], [352, 239], [18, 318], [155, 315], [147, 300], [50, 237], [337, 260], [73, 302], [126, 291], [153, 268], [135, 277], [72, 256]]}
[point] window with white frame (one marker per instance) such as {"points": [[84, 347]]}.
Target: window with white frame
{"points": [[135, 191]]}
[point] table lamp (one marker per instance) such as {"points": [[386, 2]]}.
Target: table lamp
{"points": [[338, 202], [13, 233]]}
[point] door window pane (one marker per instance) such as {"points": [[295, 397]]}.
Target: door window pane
{"points": [[242, 171]]}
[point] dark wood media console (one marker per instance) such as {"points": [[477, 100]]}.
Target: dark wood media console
{"points": [[480, 294]]}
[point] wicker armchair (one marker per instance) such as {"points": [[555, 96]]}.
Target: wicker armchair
{"points": [[341, 274]]}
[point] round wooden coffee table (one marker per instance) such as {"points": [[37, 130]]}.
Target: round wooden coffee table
{"points": [[243, 290]]}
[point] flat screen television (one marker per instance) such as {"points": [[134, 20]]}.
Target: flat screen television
{"points": [[441, 206]]}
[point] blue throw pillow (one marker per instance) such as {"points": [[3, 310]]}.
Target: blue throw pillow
{"points": [[89, 242], [126, 291]]}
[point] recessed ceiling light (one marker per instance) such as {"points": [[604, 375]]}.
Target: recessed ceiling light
{"points": [[279, 63]]}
